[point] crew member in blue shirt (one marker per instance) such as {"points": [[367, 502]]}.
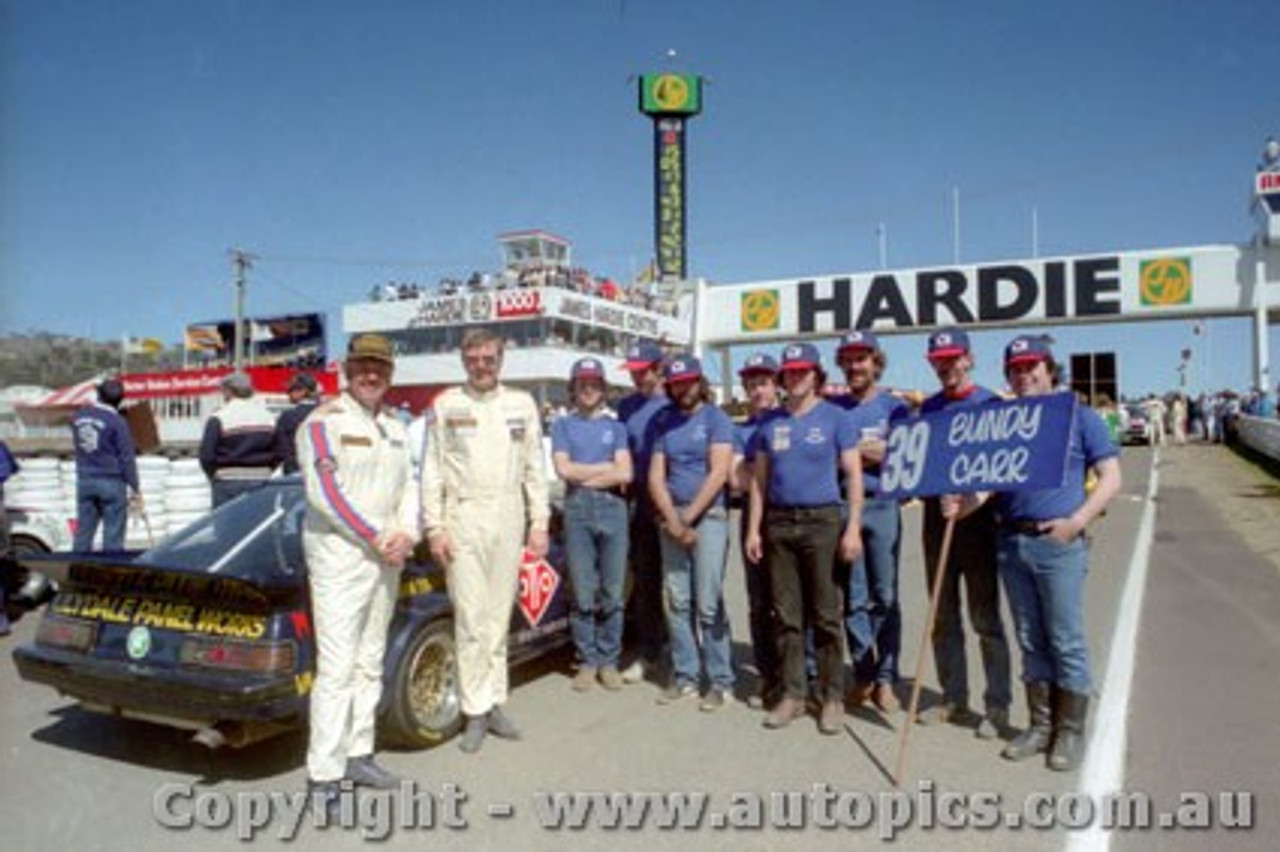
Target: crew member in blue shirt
{"points": [[873, 624], [759, 375], [795, 527], [688, 481], [590, 453], [973, 559], [106, 470], [1043, 558], [636, 412]]}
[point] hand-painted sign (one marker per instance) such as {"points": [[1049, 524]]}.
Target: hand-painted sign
{"points": [[1001, 446]]}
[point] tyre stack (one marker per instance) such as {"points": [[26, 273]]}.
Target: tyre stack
{"points": [[187, 496], [148, 527], [38, 485]]}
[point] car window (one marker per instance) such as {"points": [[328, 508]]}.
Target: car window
{"points": [[257, 537]]}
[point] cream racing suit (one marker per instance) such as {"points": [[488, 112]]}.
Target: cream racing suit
{"points": [[359, 491], [483, 482]]}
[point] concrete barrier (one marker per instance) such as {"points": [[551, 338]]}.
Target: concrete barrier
{"points": [[1260, 435]]}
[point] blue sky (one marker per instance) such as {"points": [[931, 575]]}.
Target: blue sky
{"points": [[351, 143]]}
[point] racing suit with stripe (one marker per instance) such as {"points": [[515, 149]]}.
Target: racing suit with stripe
{"points": [[484, 483], [359, 491]]}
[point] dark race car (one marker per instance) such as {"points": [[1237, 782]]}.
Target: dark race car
{"points": [[211, 629]]}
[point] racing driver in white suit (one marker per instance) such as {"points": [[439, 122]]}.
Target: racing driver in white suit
{"points": [[361, 525], [483, 485]]}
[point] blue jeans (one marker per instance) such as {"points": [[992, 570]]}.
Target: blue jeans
{"points": [[100, 500], [873, 621], [693, 582], [1044, 583], [595, 534]]}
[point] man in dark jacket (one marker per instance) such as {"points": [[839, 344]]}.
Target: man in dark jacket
{"points": [[106, 469], [238, 450], [304, 395]]}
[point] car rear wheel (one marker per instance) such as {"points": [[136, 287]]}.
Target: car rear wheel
{"points": [[425, 708]]}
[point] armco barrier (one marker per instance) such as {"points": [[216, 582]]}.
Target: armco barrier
{"points": [[1261, 436]]}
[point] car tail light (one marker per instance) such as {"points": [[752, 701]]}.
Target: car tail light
{"points": [[72, 634], [235, 655]]}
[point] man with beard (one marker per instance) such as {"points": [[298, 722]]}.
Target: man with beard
{"points": [[873, 621]]}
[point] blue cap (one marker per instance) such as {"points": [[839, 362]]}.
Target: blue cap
{"points": [[642, 355], [865, 340], [683, 367], [758, 363], [801, 356], [948, 343], [1027, 347], [586, 368]]}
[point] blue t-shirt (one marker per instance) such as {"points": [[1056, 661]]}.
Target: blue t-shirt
{"points": [[103, 445], [974, 395], [636, 412], [686, 440], [871, 419], [588, 440], [744, 433], [1088, 444], [804, 455]]}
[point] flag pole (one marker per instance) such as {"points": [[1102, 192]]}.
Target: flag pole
{"points": [[939, 571]]}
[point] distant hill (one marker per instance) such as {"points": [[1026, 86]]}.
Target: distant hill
{"points": [[55, 360]]}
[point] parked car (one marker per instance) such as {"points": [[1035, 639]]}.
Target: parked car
{"points": [[1137, 425], [211, 629]]}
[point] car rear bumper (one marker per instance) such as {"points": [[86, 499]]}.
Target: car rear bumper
{"points": [[196, 696]]}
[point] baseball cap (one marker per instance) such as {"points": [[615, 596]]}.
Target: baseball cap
{"points": [[303, 382], [801, 356], [683, 368], [758, 363], [586, 368], [1025, 348], [865, 340], [948, 343], [372, 346], [641, 355]]}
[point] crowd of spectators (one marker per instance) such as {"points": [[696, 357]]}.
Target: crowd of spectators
{"points": [[639, 294]]}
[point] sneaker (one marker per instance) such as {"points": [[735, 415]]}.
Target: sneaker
{"points": [[993, 725], [363, 772], [501, 726], [677, 692], [635, 673], [473, 735], [610, 678], [831, 720], [584, 679], [884, 698], [714, 700]]}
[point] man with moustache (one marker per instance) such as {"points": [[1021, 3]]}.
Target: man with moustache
{"points": [[873, 621], [361, 525], [484, 497]]}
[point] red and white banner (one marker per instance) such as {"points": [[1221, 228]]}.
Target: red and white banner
{"points": [[518, 303]]}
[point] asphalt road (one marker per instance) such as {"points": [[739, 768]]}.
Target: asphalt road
{"points": [[1202, 706]]}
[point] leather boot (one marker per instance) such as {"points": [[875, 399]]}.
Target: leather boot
{"points": [[1070, 710], [1036, 738]]}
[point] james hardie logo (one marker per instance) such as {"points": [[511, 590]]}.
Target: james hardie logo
{"points": [[1165, 281], [760, 310], [1017, 346], [671, 91]]}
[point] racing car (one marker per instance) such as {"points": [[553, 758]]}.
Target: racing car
{"points": [[211, 630]]}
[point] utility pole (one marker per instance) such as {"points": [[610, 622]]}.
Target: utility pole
{"points": [[242, 261]]}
